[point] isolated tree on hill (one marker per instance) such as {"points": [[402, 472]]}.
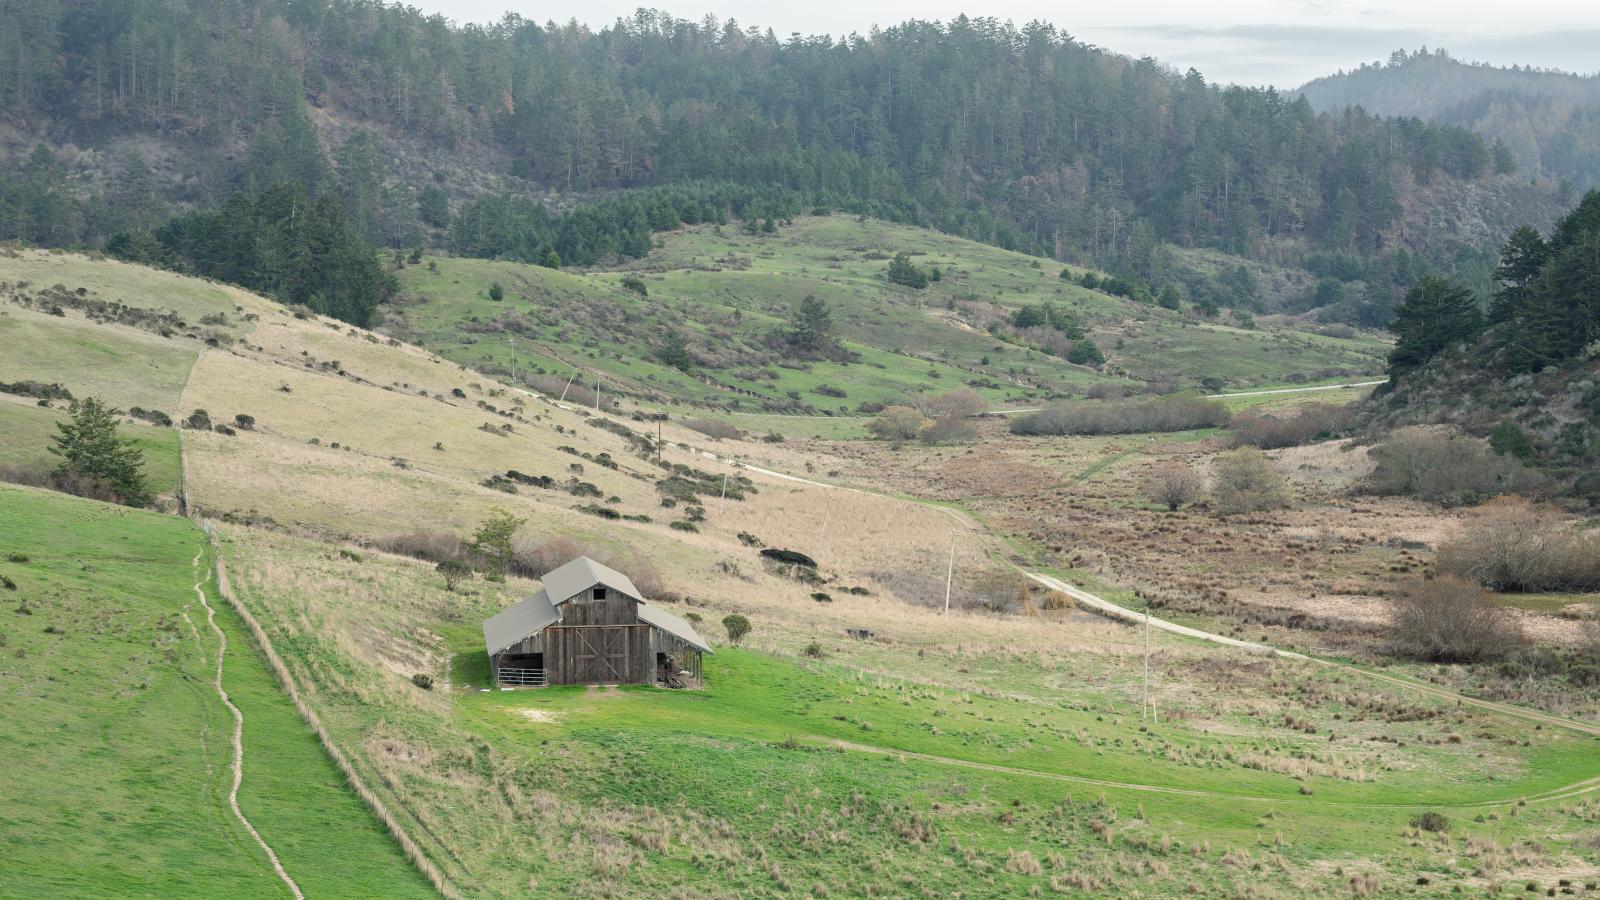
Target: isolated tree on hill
{"points": [[454, 572], [737, 626], [496, 292], [90, 449], [1437, 313], [904, 272], [493, 541], [811, 329], [675, 351]]}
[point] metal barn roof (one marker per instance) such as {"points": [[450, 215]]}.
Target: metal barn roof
{"points": [[573, 578], [519, 620], [672, 625]]}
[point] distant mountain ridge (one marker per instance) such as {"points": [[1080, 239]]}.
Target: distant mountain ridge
{"points": [[1548, 120]]}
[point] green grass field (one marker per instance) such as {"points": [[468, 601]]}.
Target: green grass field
{"points": [[117, 746]]}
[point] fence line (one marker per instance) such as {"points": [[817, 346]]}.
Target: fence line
{"points": [[408, 845]]}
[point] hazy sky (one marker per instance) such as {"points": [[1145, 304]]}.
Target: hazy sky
{"points": [[1248, 41]]}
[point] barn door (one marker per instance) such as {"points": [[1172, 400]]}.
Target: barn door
{"points": [[602, 653]]}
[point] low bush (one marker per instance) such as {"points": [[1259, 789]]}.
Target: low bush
{"points": [[737, 627], [1172, 413], [948, 430], [1513, 544], [1174, 485], [1451, 620], [433, 546], [1244, 480], [1444, 468], [898, 424]]}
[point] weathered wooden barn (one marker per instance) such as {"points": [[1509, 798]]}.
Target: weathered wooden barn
{"points": [[588, 625]]}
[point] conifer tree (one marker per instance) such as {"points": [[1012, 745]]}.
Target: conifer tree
{"points": [[91, 450]]}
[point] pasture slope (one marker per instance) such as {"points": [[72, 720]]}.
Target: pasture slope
{"points": [[120, 752]]}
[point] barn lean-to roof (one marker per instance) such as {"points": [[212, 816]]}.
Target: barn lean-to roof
{"points": [[519, 620], [532, 615]]}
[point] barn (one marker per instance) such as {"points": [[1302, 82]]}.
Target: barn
{"points": [[588, 625]]}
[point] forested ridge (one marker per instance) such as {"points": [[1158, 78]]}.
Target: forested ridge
{"points": [[1543, 121], [1020, 136]]}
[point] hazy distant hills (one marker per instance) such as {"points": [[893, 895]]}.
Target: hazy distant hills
{"points": [[1549, 121]]}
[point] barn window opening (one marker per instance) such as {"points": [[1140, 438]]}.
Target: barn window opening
{"points": [[599, 593]]}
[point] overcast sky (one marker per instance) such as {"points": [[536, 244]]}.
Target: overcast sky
{"points": [[1247, 41]]}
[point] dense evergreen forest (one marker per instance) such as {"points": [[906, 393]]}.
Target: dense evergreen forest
{"points": [[1545, 122], [1019, 136]]}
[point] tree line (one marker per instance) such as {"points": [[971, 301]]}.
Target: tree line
{"points": [[1021, 136]]}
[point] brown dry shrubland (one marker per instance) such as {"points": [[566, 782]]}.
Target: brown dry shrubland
{"points": [[1174, 413], [1174, 485], [1513, 544]]}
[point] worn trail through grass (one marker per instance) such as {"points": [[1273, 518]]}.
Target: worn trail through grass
{"points": [[238, 727]]}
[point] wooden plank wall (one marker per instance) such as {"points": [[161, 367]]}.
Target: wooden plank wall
{"points": [[608, 654]]}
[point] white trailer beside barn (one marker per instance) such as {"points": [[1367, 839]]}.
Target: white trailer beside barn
{"points": [[588, 625]]}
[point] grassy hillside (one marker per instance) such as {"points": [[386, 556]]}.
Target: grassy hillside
{"points": [[726, 291], [119, 747], [993, 754]]}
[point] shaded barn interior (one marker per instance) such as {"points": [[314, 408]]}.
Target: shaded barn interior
{"points": [[588, 625]]}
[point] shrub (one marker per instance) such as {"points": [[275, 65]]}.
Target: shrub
{"points": [[533, 557], [1451, 620], [904, 272], [434, 546], [454, 572], [961, 402], [813, 650], [1443, 468], [737, 627], [244, 421], [636, 284], [948, 430], [897, 424], [1307, 424], [714, 429], [199, 420], [1173, 413], [1512, 544], [18, 558], [423, 681], [1174, 485], [1431, 821], [1244, 481], [496, 292]]}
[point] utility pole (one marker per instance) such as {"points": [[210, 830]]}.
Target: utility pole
{"points": [[511, 341], [950, 573], [722, 504], [597, 393], [1144, 702], [822, 536], [567, 388], [659, 418]]}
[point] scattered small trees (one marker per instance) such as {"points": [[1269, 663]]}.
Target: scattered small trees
{"points": [[1174, 485], [1245, 481], [811, 327], [94, 461], [454, 572], [737, 626], [493, 541], [497, 292], [1451, 620]]}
